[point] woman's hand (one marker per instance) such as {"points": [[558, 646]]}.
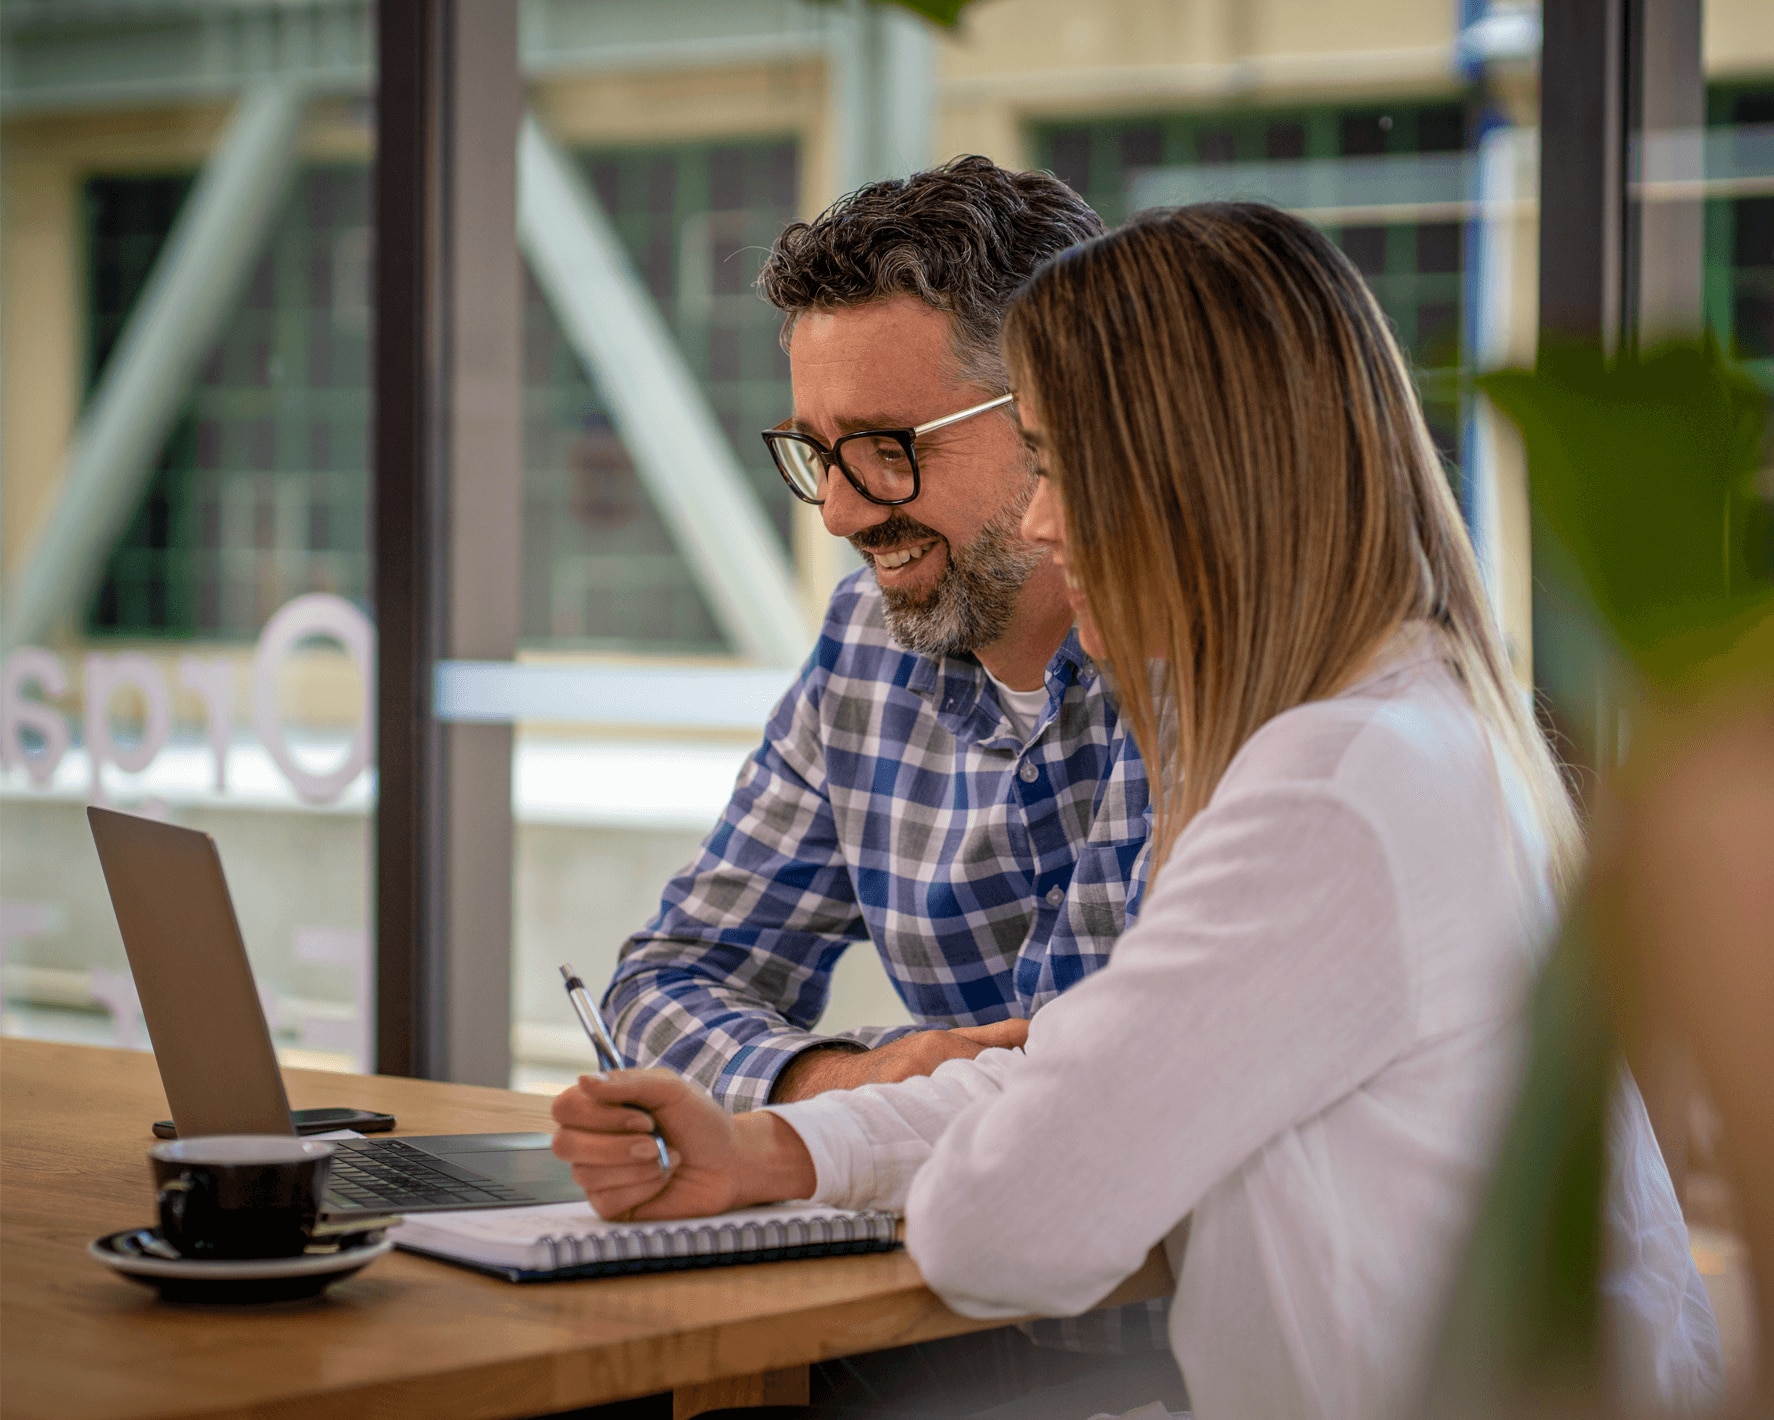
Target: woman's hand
{"points": [[719, 1161]]}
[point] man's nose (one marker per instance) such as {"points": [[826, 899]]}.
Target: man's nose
{"points": [[847, 512], [1044, 522]]}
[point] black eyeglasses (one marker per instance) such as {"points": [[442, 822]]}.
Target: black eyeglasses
{"points": [[881, 464]]}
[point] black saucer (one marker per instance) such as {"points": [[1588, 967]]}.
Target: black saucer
{"points": [[141, 1255]]}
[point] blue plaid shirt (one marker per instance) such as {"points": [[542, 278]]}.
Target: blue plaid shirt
{"points": [[891, 801]]}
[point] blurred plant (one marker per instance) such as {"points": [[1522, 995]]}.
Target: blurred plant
{"points": [[946, 13], [1643, 472]]}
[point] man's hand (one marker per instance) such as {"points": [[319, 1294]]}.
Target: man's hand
{"points": [[824, 1068], [719, 1161]]}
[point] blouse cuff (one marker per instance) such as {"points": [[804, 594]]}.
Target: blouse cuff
{"points": [[842, 1163]]}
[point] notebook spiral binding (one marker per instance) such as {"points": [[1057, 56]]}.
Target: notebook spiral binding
{"points": [[664, 1247]]}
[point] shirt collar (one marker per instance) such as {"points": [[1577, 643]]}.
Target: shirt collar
{"points": [[954, 685], [952, 673]]}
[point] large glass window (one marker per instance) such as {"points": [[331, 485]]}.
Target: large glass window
{"points": [[212, 665], [601, 568], [262, 491]]}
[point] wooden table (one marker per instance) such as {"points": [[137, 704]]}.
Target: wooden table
{"points": [[408, 1336]]}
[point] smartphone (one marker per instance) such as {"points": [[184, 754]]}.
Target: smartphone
{"points": [[314, 1121]]}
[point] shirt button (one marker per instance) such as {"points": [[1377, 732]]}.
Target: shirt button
{"points": [[1029, 773], [1055, 896]]}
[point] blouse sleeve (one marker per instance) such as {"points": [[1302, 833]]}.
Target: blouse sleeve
{"points": [[1265, 980], [867, 1143]]}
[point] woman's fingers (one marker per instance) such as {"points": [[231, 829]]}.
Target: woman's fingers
{"points": [[604, 1150], [645, 1089], [613, 1203], [600, 1179], [578, 1109]]}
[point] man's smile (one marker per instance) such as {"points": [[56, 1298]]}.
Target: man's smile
{"points": [[900, 556]]}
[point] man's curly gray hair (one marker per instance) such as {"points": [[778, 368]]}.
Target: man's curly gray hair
{"points": [[962, 238]]}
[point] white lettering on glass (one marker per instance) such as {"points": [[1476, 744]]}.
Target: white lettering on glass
{"points": [[315, 614], [105, 676], [35, 735], [32, 665]]}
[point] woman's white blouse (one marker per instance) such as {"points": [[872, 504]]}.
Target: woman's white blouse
{"points": [[1291, 1073]]}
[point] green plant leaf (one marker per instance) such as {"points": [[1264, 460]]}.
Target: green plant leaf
{"points": [[1643, 469], [946, 13]]}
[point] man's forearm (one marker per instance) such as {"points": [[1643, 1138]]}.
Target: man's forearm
{"points": [[813, 1072], [666, 1015], [824, 1068]]}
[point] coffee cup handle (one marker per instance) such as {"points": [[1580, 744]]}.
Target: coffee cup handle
{"points": [[174, 1198]]}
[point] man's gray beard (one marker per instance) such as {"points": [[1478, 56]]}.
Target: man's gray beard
{"points": [[973, 603]]}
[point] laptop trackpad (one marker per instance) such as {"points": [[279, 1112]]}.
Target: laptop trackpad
{"points": [[522, 1159]]}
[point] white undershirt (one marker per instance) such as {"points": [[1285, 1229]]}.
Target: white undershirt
{"points": [[1022, 707], [1291, 1074]]}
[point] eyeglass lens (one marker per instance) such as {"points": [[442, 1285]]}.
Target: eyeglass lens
{"points": [[877, 461], [880, 463], [801, 463]]}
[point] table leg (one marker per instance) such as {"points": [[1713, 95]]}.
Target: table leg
{"points": [[786, 1387]]}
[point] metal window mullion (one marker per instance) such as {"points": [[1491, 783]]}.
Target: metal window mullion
{"points": [[447, 491], [407, 757]]}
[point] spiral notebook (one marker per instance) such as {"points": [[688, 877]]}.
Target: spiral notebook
{"points": [[556, 1241]]}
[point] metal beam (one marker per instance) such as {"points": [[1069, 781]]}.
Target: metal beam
{"points": [[659, 410], [1583, 123], [1666, 223], [448, 543], [220, 232]]}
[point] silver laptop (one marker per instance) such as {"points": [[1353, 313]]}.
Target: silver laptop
{"points": [[214, 1050]]}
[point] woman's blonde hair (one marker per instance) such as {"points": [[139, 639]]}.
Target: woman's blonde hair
{"points": [[1251, 494]]}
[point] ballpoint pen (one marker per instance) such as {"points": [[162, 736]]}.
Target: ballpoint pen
{"points": [[601, 1042]]}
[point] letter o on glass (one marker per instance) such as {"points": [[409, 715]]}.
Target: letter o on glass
{"points": [[315, 614]]}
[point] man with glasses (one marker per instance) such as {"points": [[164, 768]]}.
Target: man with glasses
{"points": [[947, 779]]}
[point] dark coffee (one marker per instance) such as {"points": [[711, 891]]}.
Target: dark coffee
{"points": [[240, 1195]]}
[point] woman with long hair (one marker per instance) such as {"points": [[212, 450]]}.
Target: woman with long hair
{"points": [[1291, 1073]]}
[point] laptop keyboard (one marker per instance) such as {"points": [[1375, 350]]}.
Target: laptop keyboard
{"points": [[389, 1176]]}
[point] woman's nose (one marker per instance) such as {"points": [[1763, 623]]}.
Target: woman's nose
{"points": [[1044, 521]]}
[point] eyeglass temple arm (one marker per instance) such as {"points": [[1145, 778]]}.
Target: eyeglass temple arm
{"points": [[949, 419]]}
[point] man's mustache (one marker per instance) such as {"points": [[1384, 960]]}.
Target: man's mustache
{"points": [[896, 531]]}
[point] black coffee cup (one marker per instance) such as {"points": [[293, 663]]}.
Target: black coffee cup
{"points": [[240, 1195]]}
